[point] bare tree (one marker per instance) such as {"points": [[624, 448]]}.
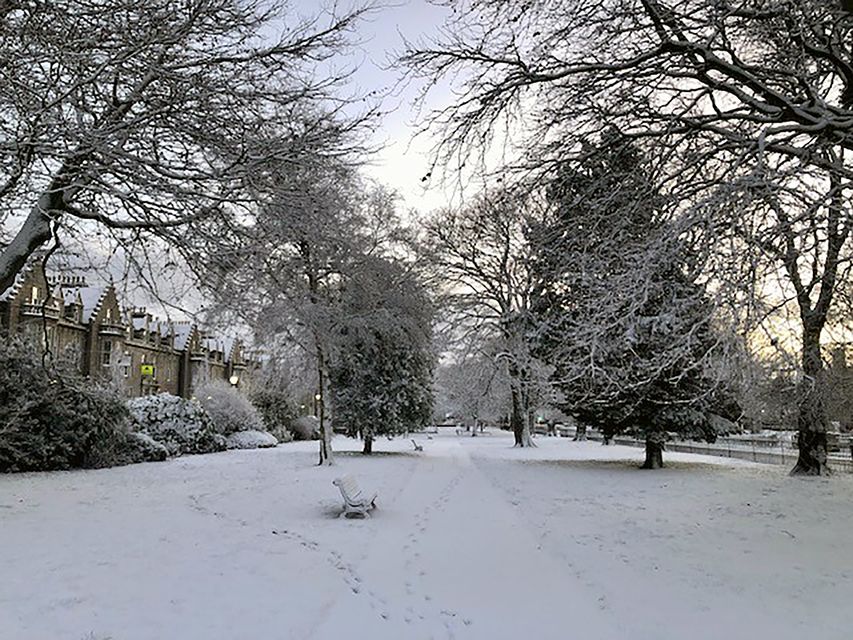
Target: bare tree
{"points": [[472, 385], [283, 268], [152, 116], [482, 255]]}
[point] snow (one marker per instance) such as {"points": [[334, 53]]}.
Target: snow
{"points": [[251, 439], [472, 539], [182, 334]]}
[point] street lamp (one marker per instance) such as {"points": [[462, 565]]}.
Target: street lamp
{"points": [[234, 380]]}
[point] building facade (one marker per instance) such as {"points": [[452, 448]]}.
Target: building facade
{"points": [[86, 328]]}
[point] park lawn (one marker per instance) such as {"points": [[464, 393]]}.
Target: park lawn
{"points": [[472, 539]]}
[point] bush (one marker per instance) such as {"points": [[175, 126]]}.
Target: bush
{"points": [[275, 410], [51, 419], [141, 447], [251, 440], [182, 426], [305, 428], [229, 409]]}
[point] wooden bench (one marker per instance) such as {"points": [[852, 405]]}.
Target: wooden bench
{"points": [[355, 500]]}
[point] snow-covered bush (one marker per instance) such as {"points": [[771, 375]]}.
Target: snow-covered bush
{"points": [[52, 419], [182, 426], [251, 440], [229, 409], [275, 409], [141, 447], [305, 428]]}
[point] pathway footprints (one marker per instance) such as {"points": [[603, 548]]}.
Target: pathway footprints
{"points": [[423, 606]]}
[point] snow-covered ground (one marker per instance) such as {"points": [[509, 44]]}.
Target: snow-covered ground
{"points": [[472, 539]]}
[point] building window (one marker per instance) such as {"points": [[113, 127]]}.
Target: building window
{"points": [[126, 365], [109, 315], [106, 352], [35, 298]]}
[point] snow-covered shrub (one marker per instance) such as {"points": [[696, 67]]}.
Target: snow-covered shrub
{"points": [[251, 440], [141, 447], [305, 428], [51, 419], [275, 409], [229, 409], [182, 426]]}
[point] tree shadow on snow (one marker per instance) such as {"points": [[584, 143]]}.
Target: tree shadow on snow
{"points": [[628, 465], [377, 454]]}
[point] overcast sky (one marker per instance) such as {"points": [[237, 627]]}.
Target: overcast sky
{"points": [[402, 163]]}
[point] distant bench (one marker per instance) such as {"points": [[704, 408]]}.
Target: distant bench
{"points": [[355, 500]]}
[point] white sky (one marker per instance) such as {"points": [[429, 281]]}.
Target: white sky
{"points": [[402, 162]]}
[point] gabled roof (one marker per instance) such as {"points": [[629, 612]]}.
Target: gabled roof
{"points": [[92, 299], [13, 290], [228, 346], [183, 331]]}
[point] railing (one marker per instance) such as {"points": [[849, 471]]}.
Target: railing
{"points": [[780, 452], [30, 309], [111, 328]]}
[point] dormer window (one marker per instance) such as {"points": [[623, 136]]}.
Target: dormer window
{"points": [[109, 315], [35, 297]]}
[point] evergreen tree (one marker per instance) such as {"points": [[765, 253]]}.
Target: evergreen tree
{"points": [[380, 372], [631, 334]]}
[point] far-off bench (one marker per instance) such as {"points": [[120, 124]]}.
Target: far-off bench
{"points": [[356, 502]]}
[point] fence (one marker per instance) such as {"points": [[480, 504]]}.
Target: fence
{"points": [[754, 449]]}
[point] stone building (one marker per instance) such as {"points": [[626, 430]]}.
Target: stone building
{"points": [[86, 328]]}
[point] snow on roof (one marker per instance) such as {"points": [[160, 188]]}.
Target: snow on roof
{"points": [[182, 334], [228, 347], [15, 286], [213, 344]]}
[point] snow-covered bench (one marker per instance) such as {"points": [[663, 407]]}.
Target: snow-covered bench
{"points": [[355, 500]]}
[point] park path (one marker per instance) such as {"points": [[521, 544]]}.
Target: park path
{"points": [[466, 567]]}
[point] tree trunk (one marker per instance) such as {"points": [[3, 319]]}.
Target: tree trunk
{"points": [[654, 451], [368, 445], [326, 457], [580, 433], [526, 440], [516, 419], [34, 233], [520, 408], [811, 410]]}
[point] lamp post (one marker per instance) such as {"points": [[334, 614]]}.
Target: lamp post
{"points": [[234, 380], [317, 399]]}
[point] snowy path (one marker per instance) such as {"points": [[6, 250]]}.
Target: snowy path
{"points": [[473, 540], [466, 557]]}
